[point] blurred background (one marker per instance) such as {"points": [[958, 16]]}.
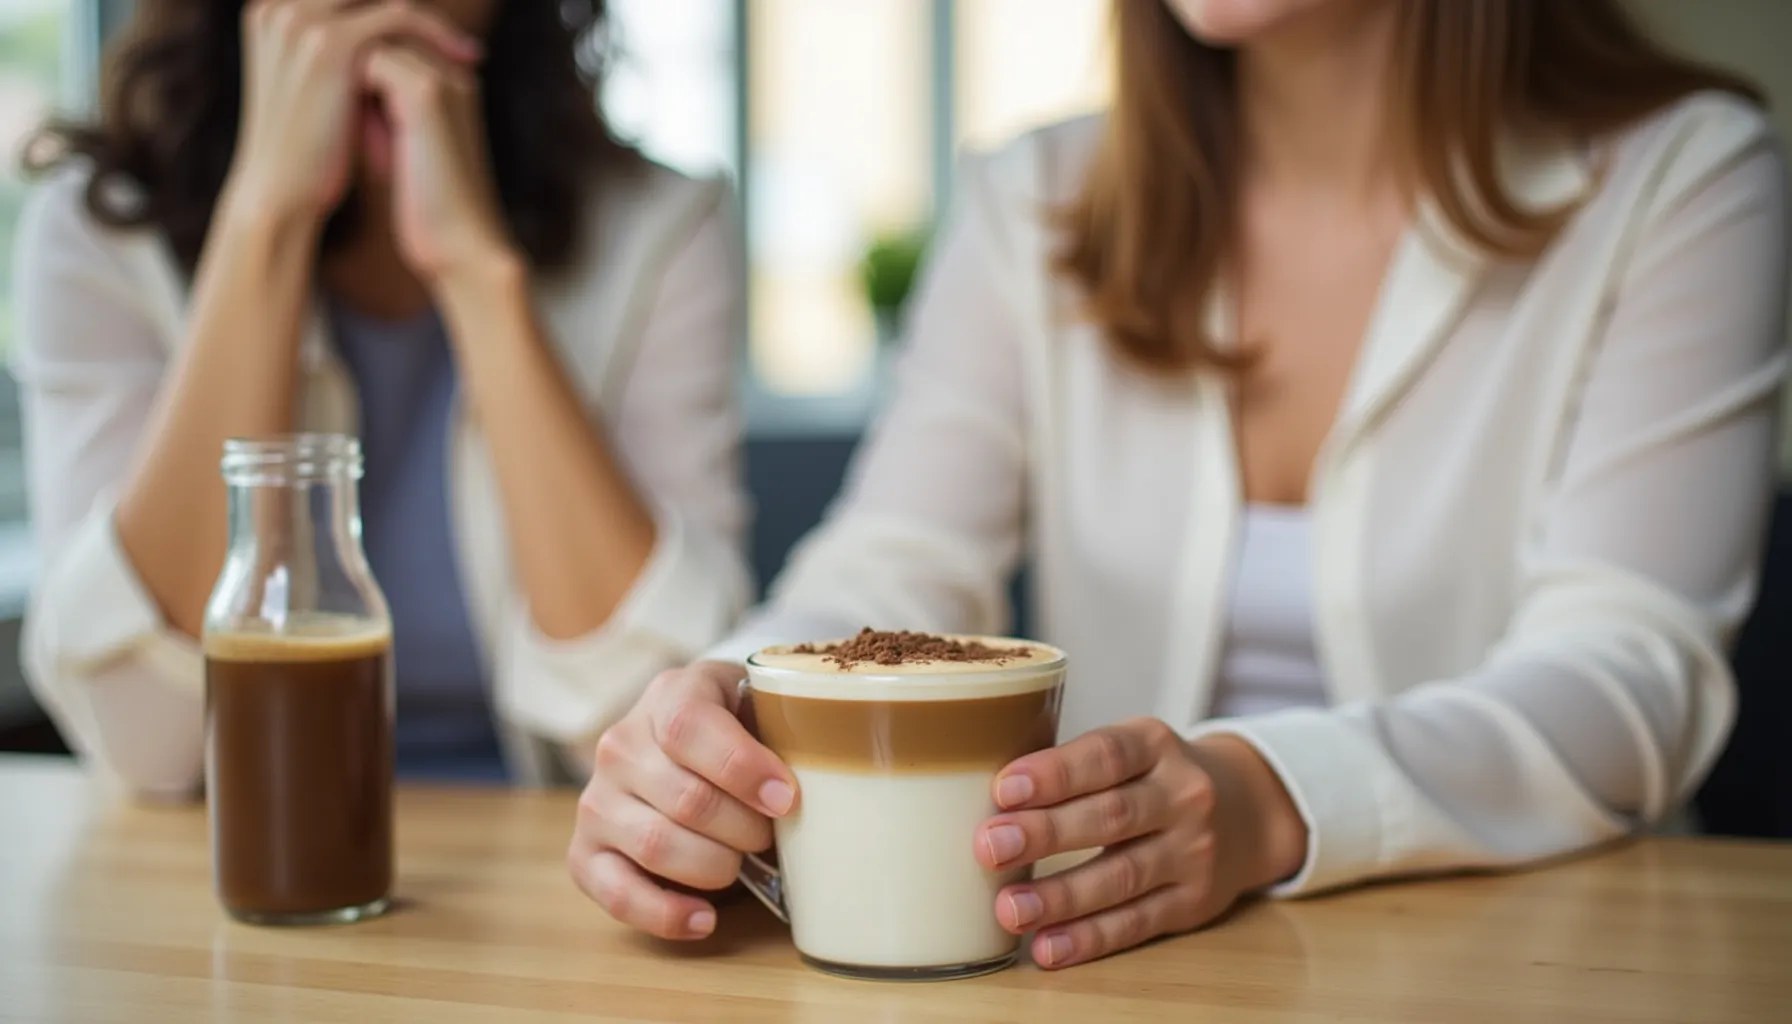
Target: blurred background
{"points": [[837, 121]]}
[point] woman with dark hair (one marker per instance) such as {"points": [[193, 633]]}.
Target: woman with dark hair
{"points": [[408, 221], [1387, 415]]}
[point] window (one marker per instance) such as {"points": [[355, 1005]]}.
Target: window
{"points": [[671, 85], [40, 40], [31, 41], [1023, 63], [839, 121]]}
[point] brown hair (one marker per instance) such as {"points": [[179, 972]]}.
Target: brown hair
{"points": [[1149, 235], [170, 109]]}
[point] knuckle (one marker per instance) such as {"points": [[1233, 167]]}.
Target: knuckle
{"points": [[1199, 847], [695, 803], [652, 844], [1058, 778], [614, 898], [667, 679], [612, 748], [1203, 797], [590, 804], [1157, 732], [314, 42], [1114, 813], [681, 724], [730, 771], [1126, 876], [1110, 754], [1195, 796], [598, 885], [1130, 925], [1184, 912]]}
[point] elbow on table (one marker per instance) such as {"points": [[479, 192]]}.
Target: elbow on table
{"points": [[151, 782], [130, 729]]}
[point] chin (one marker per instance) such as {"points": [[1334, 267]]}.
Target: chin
{"points": [[1231, 22]]}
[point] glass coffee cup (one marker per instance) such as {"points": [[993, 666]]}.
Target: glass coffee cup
{"points": [[298, 692], [895, 763]]}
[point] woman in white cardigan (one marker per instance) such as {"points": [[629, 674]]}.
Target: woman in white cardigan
{"points": [[1383, 393], [422, 233]]}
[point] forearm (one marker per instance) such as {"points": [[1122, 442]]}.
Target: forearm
{"points": [[579, 534], [235, 376]]}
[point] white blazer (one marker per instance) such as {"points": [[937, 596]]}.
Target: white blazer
{"points": [[645, 326], [1536, 519]]}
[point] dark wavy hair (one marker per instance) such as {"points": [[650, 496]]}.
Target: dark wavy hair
{"points": [[172, 89]]}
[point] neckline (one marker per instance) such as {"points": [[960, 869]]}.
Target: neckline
{"points": [[341, 310], [1276, 510]]}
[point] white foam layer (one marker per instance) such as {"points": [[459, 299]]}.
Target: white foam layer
{"points": [[880, 871], [316, 636], [1033, 666]]}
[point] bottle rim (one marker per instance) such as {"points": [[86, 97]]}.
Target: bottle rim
{"points": [[289, 459]]}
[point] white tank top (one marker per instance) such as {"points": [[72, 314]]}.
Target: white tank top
{"points": [[1269, 661]]}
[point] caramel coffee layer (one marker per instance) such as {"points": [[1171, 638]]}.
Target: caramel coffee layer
{"points": [[907, 736]]}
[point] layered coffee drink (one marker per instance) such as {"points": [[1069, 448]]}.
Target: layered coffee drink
{"points": [[895, 740], [299, 769]]}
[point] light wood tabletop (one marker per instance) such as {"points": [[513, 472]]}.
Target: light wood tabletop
{"points": [[106, 914]]}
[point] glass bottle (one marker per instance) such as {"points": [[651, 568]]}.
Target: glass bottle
{"points": [[298, 692]]}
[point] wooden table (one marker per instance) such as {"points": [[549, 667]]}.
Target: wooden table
{"points": [[106, 914]]}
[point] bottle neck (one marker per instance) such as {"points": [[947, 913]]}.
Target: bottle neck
{"points": [[295, 537], [295, 549]]}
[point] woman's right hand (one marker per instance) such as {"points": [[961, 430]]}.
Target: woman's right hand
{"points": [[679, 791], [302, 94]]}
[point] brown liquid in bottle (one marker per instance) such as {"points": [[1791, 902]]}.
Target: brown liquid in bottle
{"points": [[301, 772]]}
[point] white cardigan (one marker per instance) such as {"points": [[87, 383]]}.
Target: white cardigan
{"points": [[645, 326], [1537, 517]]}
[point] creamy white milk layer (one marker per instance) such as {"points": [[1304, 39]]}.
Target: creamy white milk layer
{"points": [[881, 871]]}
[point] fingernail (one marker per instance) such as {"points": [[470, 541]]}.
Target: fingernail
{"points": [[777, 796], [1004, 842], [1014, 791], [702, 922], [1026, 908], [1057, 950]]}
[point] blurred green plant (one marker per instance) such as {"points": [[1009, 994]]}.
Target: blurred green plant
{"points": [[888, 270]]}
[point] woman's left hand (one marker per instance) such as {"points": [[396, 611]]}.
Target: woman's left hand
{"points": [[1184, 829], [445, 205]]}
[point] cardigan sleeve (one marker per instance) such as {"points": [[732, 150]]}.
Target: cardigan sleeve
{"points": [[1609, 696], [121, 684]]}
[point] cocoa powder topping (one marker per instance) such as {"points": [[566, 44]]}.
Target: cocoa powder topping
{"points": [[904, 647]]}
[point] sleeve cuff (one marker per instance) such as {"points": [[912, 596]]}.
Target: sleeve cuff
{"points": [[1326, 767], [93, 609], [689, 592]]}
